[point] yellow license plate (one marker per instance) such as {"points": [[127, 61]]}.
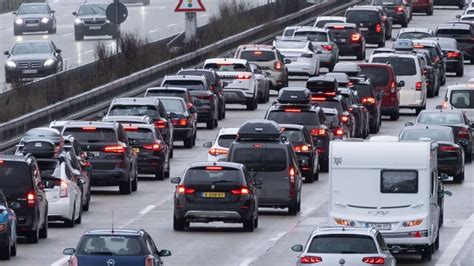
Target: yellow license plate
{"points": [[136, 150], [213, 195]]}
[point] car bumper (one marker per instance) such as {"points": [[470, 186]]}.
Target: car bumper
{"points": [[301, 68], [231, 213], [150, 164], [412, 104], [407, 239], [59, 209], [349, 49], [182, 133], [398, 18], [373, 37], [237, 95], [106, 29], [39, 27], [108, 177], [454, 65], [38, 73], [275, 203], [389, 110], [450, 165]]}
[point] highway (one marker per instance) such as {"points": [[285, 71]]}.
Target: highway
{"points": [[218, 244], [153, 22]]}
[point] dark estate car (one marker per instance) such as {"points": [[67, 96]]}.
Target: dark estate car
{"points": [[371, 22], [32, 59], [348, 38], [34, 17], [398, 10], [464, 35], [454, 56], [91, 21], [185, 124]]}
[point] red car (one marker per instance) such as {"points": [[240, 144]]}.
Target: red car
{"points": [[422, 6], [385, 80]]}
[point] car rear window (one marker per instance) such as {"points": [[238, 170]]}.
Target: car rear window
{"points": [[357, 16], [90, 134], [227, 67], [313, 36], [258, 56], [439, 118], [171, 93], [438, 135], [290, 117], [14, 176], [363, 90], [208, 75], [49, 168], [134, 110], [322, 23], [414, 35], [202, 175], [330, 104], [455, 33], [448, 45], [387, 2], [399, 182], [226, 140], [341, 33], [140, 133], [378, 75], [293, 136], [261, 159], [463, 99], [342, 244], [402, 66], [191, 85], [174, 105], [113, 245]]}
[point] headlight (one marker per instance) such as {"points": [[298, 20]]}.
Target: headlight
{"points": [[44, 20], [11, 64], [49, 62], [19, 21], [78, 21], [107, 21]]}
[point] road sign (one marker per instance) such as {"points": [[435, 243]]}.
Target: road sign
{"points": [[190, 6], [116, 12]]}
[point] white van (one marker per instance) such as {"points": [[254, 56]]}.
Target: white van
{"points": [[461, 97], [388, 184], [407, 67]]}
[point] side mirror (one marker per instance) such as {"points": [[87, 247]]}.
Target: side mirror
{"points": [[172, 115], [193, 110], [297, 248], [69, 251], [164, 253], [175, 180], [207, 144], [458, 16], [287, 61], [74, 13], [102, 114], [14, 13], [6, 53], [409, 124], [53, 11], [447, 193], [438, 107], [58, 51], [395, 249], [401, 83]]}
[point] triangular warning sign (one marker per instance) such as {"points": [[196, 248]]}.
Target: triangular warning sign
{"points": [[190, 6]]}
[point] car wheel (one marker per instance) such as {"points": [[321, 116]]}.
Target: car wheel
{"points": [[70, 222], [309, 178], [324, 166], [135, 183], [316, 176], [79, 219], [436, 244], [17, 32], [210, 124], [430, 13], [78, 36], [251, 104], [249, 225], [125, 187], [33, 236], [426, 253], [179, 224], [51, 30], [13, 250], [256, 221], [361, 55], [459, 178], [8, 79], [5, 252], [395, 115], [43, 232], [85, 207], [405, 24], [160, 174], [460, 72], [293, 209], [188, 142], [381, 44], [167, 172]]}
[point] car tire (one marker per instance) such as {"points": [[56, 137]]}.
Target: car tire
{"points": [[405, 24], [17, 32], [160, 174], [395, 115], [210, 125], [430, 93], [249, 225], [188, 142], [436, 243], [426, 254], [86, 206], [382, 43], [459, 178], [43, 232], [309, 178], [33, 236], [79, 219], [361, 56], [125, 188], [293, 209], [167, 172], [468, 157], [460, 72], [316, 176], [256, 221], [51, 30], [430, 11], [324, 167], [70, 222], [461, 7], [135, 184], [5, 252], [13, 250], [251, 104], [179, 224], [78, 36]]}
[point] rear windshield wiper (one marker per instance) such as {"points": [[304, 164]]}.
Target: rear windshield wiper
{"points": [[222, 181]]}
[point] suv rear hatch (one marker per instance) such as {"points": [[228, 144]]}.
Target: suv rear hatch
{"points": [[366, 20], [202, 96], [266, 60]]}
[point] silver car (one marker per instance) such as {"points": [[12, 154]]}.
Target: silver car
{"points": [[345, 246]]}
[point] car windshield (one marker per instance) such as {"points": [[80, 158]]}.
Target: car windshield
{"points": [[165, 92], [439, 118], [322, 23], [229, 67], [467, 19], [402, 66], [191, 85], [87, 10], [463, 99], [113, 245], [342, 244], [298, 118], [330, 104], [455, 33], [261, 159], [49, 168], [206, 175], [438, 135], [357, 16], [226, 140], [134, 110], [91, 134], [293, 136], [258, 56], [386, 2], [399, 181], [313, 36], [378, 75], [364, 90], [414, 35], [139, 134], [32, 48], [14, 176], [290, 45], [174, 105], [33, 9]]}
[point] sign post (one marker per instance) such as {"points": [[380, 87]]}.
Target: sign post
{"points": [[190, 7], [117, 13]]}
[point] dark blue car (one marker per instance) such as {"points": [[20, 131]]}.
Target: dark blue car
{"points": [[7, 229], [116, 248]]}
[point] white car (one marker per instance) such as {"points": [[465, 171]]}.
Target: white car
{"points": [[469, 11], [415, 33], [345, 246], [302, 57], [263, 83], [460, 97], [321, 21], [240, 85], [467, 18], [62, 191], [219, 149]]}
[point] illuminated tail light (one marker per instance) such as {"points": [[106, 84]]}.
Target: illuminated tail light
{"points": [[378, 27], [115, 149], [182, 122], [130, 128], [339, 132], [453, 54], [292, 174], [463, 133], [63, 189], [318, 132], [243, 76], [344, 119], [368, 100], [278, 65], [241, 191], [31, 199], [161, 124], [214, 168], [217, 151], [190, 105], [393, 88], [73, 261], [355, 37], [181, 189], [448, 149], [418, 86], [400, 9], [339, 27], [289, 110], [374, 260], [89, 128], [310, 259], [301, 148], [327, 47], [445, 105], [149, 261], [153, 147]]}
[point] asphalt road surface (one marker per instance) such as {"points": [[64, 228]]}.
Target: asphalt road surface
{"points": [[151, 207]]}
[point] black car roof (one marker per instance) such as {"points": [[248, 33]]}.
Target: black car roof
{"points": [[99, 124], [13, 158], [223, 164]]}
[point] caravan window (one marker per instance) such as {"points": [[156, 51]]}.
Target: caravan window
{"points": [[399, 181]]}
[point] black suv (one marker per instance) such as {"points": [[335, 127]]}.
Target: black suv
{"points": [[112, 158], [32, 17], [437, 57], [371, 23], [185, 123], [272, 163], [397, 10], [372, 100], [215, 191], [348, 38], [150, 106], [182, 93], [92, 21], [21, 183], [463, 33]]}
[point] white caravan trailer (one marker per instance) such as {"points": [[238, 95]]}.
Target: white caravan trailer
{"points": [[388, 184]]}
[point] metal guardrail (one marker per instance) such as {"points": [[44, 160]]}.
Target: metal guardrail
{"points": [[89, 103], [9, 5]]}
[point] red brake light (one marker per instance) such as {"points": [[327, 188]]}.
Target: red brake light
{"points": [[339, 27], [463, 133], [310, 259], [448, 149], [318, 98], [393, 88], [257, 52], [181, 122], [399, 9], [161, 124], [301, 148], [418, 46], [1, 162], [241, 191], [327, 47], [378, 27], [453, 54], [418, 86], [345, 118], [63, 189], [368, 100], [318, 132], [355, 37], [149, 261], [340, 132], [217, 151], [241, 76], [130, 128], [31, 199], [374, 260], [153, 147], [293, 110], [181, 189], [89, 128], [278, 65], [214, 168], [115, 149]]}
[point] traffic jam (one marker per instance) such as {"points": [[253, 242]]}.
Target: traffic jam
{"points": [[356, 75]]}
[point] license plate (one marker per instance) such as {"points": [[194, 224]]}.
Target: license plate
{"points": [[94, 154], [343, 40], [30, 71], [380, 226], [32, 25], [95, 27], [136, 150], [213, 195], [364, 29]]}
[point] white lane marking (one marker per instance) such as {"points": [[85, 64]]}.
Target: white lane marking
{"points": [[246, 262], [141, 215], [88, 52], [61, 261], [171, 25], [277, 237], [67, 34], [147, 209], [457, 243], [155, 30], [307, 212]]}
